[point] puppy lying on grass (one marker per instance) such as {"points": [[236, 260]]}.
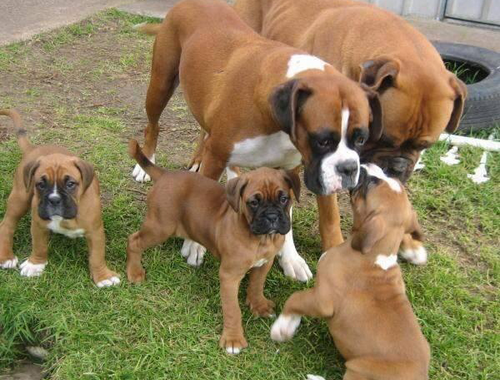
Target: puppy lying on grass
{"points": [[360, 290], [243, 225]]}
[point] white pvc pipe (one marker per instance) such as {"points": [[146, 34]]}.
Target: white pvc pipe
{"points": [[490, 145]]}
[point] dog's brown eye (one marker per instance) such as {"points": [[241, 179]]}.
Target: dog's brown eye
{"points": [[41, 185], [284, 199], [253, 203], [325, 143], [70, 185], [360, 141]]}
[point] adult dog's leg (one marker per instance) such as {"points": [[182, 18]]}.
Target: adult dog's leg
{"points": [[329, 221]]}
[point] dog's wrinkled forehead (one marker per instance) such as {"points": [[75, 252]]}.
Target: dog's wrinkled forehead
{"points": [[55, 167], [266, 182]]}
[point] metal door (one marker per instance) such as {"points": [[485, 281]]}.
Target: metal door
{"points": [[479, 11]]}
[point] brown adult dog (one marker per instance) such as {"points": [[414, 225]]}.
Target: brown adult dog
{"points": [[243, 225], [360, 290], [262, 103], [420, 98], [56, 184]]}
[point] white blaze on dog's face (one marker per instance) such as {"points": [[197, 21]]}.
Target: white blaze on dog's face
{"points": [[328, 118]]}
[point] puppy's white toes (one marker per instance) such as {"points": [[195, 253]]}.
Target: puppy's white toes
{"points": [[315, 377], [9, 264], [29, 269], [233, 350], [285, 327], [140, 175], [108, 282], [193, 252], [417, 256], [195, 168], [295, 267]]}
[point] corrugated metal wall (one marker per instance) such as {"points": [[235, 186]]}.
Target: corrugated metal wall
{"points": [[485, 11]]}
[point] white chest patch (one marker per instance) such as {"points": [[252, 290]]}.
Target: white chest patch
{"points": [[55, 226], [385, 262], [303, 62], [259, 263], [274, 150], [376, 171]]}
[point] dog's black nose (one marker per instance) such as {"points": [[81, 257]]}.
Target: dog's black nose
{"points": [[272, 217], [54, 199], [347, 168]]}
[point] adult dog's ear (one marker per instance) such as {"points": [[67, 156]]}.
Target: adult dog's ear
{"points": [[86, 171], [458, 105], [234, 191], [286, 102], [379, 74], [28, 174], [293, 180], [376, 121], [372, 230]]}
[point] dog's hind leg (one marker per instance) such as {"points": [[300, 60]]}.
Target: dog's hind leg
{"points": [[17, 206], [164, 80], [149, 235]]}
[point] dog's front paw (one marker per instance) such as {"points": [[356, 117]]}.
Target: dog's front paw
{"points": [[284, 328], [29, 269], [416, 255], [193, 252], [110, 279], [136, 274], [315, 377], [9, 264], [233, 343], [139, 174], [294, 265], [261, 307]]}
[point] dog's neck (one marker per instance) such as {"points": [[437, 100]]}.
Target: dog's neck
{"points": [[384, 253]]}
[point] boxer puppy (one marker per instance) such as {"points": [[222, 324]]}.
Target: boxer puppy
{"points": [[420, 98], [261, 103], [56, 185], [243, 225], [360, 290]]}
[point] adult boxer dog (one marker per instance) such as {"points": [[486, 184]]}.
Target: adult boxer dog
{"points": [[360, 290], [420, 98], [243, 225], [262, 103], [57, 186]]}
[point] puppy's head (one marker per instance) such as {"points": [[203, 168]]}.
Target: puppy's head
{"points": [[57, 183], [419, 100], [329, 118], [264, 197], [382, 213]]}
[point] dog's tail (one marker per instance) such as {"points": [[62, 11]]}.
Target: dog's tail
{"points": [[21, 133], [151, 29], [136, 153]]}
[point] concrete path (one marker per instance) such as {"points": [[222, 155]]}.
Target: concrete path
{"points": [[22, 19]]}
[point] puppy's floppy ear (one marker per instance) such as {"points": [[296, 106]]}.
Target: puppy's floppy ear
{"points": [[286, 102], [372, 230], [234, 190], [376, 124], [86, 171], [458, 105], [379, 74], [28, 173], [293, 180]]}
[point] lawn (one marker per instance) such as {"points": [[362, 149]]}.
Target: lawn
{"points": [[84, 87]]}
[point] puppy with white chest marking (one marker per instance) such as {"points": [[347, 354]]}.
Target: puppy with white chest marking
{"points": [[261, 103], [360, 290], [63, 193], [243, 225]]}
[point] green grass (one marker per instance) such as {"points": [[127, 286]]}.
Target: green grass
{"points": [[169, 327]]}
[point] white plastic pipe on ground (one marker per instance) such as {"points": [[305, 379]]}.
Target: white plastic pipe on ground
{"points": [[490, 145]]}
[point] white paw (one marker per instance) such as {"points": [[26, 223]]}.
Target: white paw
{"points": [[108, 282], [9, 264], [315, 377], [29, 269], [233, 350], [284, 328], [195, 168], [139, 174], [417, 256], [193, 252], [294, 265]]}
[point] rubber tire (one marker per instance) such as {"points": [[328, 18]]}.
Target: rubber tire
{"points": [[482, 106]]}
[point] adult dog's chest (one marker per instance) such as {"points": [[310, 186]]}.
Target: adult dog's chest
{"points": [[275, 150]]}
